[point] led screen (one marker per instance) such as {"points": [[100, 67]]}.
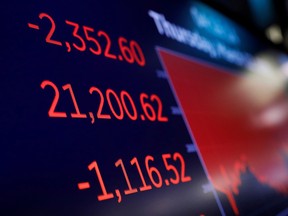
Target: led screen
{"points": [[139, 108]]}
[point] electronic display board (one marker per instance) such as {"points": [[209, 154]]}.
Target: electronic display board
{"points": [[139, 108]]}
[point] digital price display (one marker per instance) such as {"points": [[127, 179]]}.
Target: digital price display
{"points": [[139, 108]]}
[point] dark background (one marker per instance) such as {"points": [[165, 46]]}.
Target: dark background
{"points": [[43, 159]]}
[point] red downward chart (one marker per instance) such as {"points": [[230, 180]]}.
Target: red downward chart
{"points": [[228, 125]]}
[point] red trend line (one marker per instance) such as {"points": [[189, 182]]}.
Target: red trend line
{"points": [[231, 183]]}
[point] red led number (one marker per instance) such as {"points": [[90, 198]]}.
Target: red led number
{"points": [[130, 51], [52, 30], [184, 178], [110, 92], [82, 46], [125, 50], [130, 189], [108, 45], [52, 112], [153, 170], [77, 114], [147, 108], [159, 114], [124, 95], [119, 105], [99, 112], [137, 53], [153, 173], [104, 195], [145, 187], [172, 168], [98, 49]]}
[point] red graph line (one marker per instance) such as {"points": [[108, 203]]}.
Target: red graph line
{"points": [[231, 183]]}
